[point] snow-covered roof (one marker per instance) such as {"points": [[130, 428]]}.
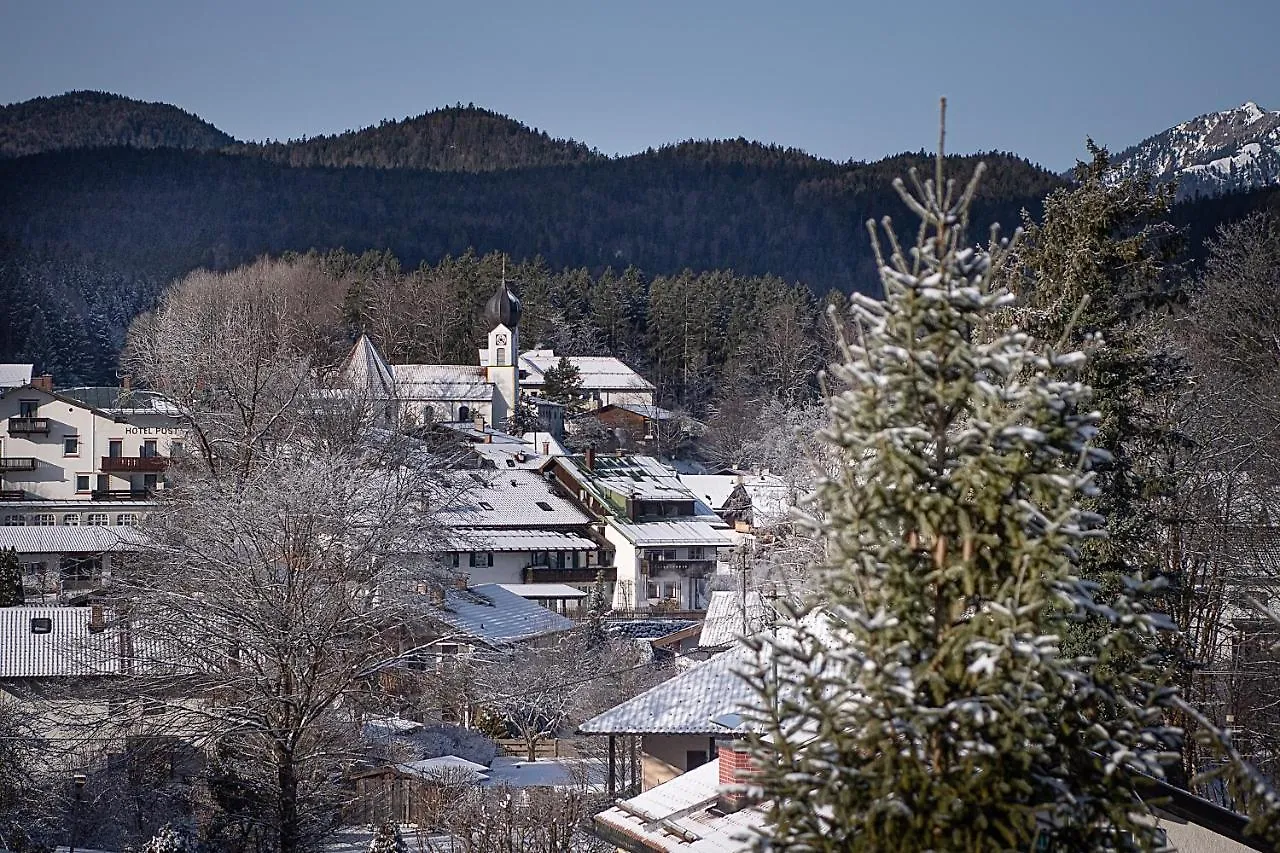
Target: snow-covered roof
{"points": [[685, 704], [506, 498], [685, 803], [62, 539], [496, 617], [121, 401], [367, 370], [715, 489], [508, 771], [485, 539], [15, 375], [66, 648], [644, 410], [597, 373], [543, 590], [732, 614], [449, 767], [655, 534], [450, 382]]}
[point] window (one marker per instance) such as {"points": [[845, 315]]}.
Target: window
{"points": [[694, 758], [41, 625], [97, 519], [696, 554], [28, 408], [651, 591], [15, 521], [486, 505], [150, 481], [481, 560], [175, 449], [671, 591], [80, 568], [451, 559], [71, 519], [545, 507], [126, 519], [149, 449], [31, 570], [115, 448], [44, 519], [71, 445], [502, 356], [82, 482]]}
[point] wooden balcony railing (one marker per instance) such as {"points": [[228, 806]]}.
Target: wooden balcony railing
{"points": [[134, 464], [28, 425], [692, 568], [17, 463], [542, 574]]}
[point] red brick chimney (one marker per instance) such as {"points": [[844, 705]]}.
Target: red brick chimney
{"points": [[736, 768], [591, 458], [97, 619], [44, 382]]}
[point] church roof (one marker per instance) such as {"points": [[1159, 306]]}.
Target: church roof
{"points": [[503, 308], [597, 372], [442, 382], [366, 369]]}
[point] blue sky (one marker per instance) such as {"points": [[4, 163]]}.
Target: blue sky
{"points": [[840, 79]]}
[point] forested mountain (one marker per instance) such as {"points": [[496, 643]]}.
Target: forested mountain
{"points": [[88, 236], [452, 139], [98, 119]]}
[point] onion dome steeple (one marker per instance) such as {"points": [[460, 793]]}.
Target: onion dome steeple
{"points": [[503, 308]]}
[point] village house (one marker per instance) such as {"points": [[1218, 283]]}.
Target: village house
{"points": [[666, 541]]}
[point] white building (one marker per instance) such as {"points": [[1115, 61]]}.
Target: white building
{"points": [[666, 541]]}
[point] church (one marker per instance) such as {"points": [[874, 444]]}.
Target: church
{"points": [[492, 388]]}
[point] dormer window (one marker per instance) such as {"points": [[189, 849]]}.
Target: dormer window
{"points": [[41, 625]]}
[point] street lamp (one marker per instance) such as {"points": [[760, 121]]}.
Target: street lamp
{"points": [[77, 784]]}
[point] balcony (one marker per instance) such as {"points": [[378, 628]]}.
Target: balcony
{"points": [[134, 464], [26, 426], [542, 574], [122, 494], [17, 463], [691, 568], [12, 495]]}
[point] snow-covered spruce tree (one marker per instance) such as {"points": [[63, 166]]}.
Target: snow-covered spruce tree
{"points": [[11, 594], [170, 839], [923, 702]]}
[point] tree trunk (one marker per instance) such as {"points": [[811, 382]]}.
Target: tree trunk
{"points": [[290, 830]]}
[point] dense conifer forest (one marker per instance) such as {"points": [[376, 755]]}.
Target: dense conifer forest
{"points": [[113, 198]]}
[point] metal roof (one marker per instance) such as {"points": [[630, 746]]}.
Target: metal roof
{"points": [[72, 540], [68, 648], [715, 489], [481, 539], [685, 704], [497, 617], [119, 400], [664, 533]]}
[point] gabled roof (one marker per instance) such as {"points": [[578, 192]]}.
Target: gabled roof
{"points": [[679, 815], [367, 370], [495, 617], [715, 489], [489, 539], [653, 413], [68, 648], [506, 498], [62, 539], [597, 373], [685, 704], [15, 375], [449, 382]]}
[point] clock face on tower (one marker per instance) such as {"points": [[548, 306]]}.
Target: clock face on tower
{"points": [[501, 340]]}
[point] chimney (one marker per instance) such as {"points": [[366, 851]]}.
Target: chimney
{"points": [[478, 422], [546, 448], [97, 620], [736, 769], [591, 458], [44, 382]]}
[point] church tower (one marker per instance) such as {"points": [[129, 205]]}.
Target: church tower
{"points": [[503, 364]]}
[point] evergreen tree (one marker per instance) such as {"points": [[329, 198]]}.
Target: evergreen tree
{"points": [[387, 839], [563, 384], [923, 703], [10, 578]]}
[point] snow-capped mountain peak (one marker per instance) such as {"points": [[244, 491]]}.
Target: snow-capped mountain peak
{"points": [[1215, 153]]}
